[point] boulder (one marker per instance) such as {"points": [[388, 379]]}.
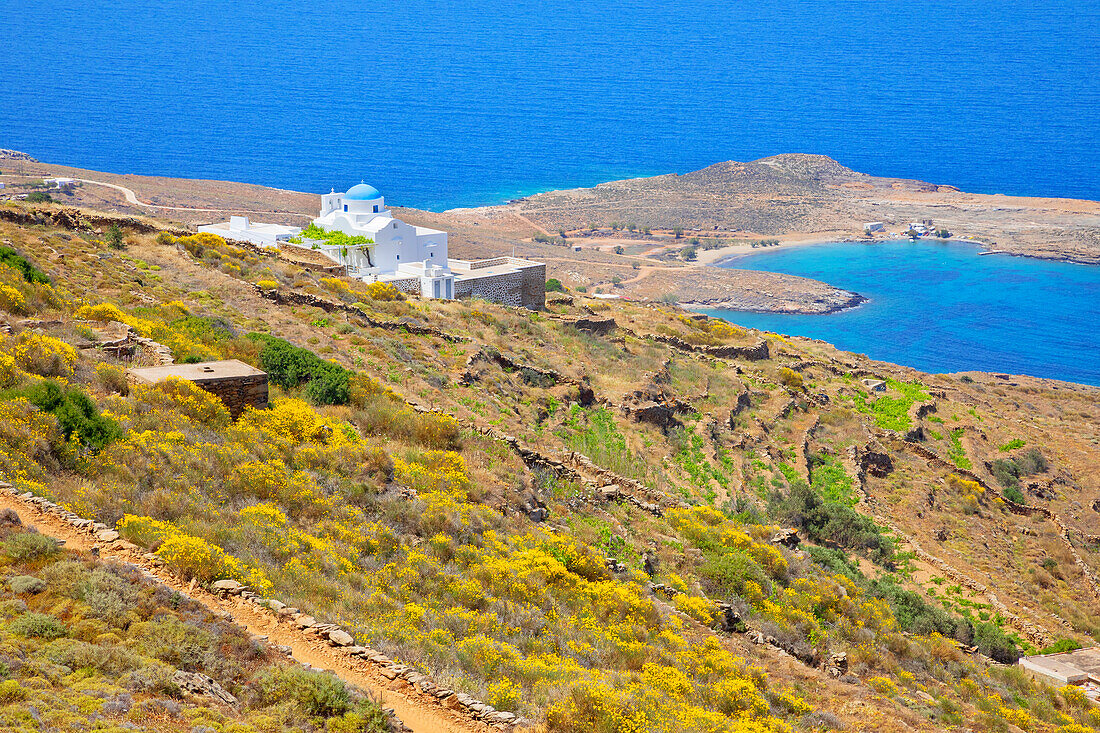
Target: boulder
{"points": [[106, 535], [655, 414], [200, 684], [786, 537], [339, 637], [227, 587]]}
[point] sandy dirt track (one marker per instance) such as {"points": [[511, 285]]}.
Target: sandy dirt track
{"points": [[422, 713]]}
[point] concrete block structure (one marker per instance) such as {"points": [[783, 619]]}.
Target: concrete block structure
{"points": [[235, 383], [1080, 668]]}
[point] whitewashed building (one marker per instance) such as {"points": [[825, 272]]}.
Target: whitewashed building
{"points": [[243, 230], [397, 250]]}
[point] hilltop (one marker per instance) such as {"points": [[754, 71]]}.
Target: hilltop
{"points": [[605, 516]]}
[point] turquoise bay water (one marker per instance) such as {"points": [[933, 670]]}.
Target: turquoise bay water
{"points": [[443, 104], [940, 307]]}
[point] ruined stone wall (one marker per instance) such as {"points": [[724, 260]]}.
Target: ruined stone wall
{"points": [[238, 392], [525, 288]]}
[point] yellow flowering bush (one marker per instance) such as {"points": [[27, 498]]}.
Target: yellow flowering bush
{"points": [[9, 372], [190, 556], [11, 300], [697, 608], [102, 312], [380, 291], [334, 284], [39, 354], [883, 686], [186, 398]]}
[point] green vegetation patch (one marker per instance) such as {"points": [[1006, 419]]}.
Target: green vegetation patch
{"points": [[76, 413], [1009, 471], [955, 450], [290, 366], [892, 413], [31, 274], [334, 238]]}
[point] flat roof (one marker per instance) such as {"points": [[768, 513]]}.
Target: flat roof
{"points": [[254, 226], [1074, 666], [201, 372]]}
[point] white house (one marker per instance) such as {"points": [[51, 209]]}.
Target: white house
{"points": [[243, 230], [397, 251], [874, 226]]}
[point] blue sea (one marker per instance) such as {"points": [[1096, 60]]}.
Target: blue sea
{"points": [[940, 307], [443, 104]]}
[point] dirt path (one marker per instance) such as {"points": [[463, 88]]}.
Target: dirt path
{"points": [[131, 198], [420, 712], [531, 224]]}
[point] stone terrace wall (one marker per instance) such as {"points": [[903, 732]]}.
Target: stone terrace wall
{"points": [[525, 288]]}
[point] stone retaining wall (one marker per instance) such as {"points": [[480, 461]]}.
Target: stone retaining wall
{"points": [[525, 287]]}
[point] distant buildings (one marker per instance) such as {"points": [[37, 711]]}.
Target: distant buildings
{"points": [[413, 259], [874, 226], [243, 230]]}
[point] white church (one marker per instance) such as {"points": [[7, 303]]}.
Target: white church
{"points": [[414, 259], [399, 250]]}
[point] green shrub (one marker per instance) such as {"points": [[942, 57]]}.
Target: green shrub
{"points": [[30, 545], [829, 521], [170, 640], [1060, 646], [26, 584], [368, 718], [331, 387], [1012, 445], [992, 641], [725, 574], [113, 237], [1032, 462], [106, 658], [39, 197], [1014, 494], [912, 612], [108, 596], [314, 693], [76, 413], [1009, 471], [553, 285], [290, 366], [31, 274], [38, 625], [1006, 472]]}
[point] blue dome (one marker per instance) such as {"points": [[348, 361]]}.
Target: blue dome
{"points": [[362, 192]]}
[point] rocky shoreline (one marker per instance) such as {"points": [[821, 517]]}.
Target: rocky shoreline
{"points": [[817, 307]]}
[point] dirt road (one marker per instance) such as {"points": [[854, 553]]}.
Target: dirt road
{"points": [[421, 712]]}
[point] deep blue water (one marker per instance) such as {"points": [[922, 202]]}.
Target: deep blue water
{"points": [[442, 104], [939, 307]]}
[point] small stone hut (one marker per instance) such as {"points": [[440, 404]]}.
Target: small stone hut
{"points": [[237, 384]]}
